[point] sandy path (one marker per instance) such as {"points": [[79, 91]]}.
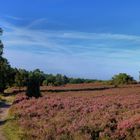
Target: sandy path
{"points": [[4, 107]]}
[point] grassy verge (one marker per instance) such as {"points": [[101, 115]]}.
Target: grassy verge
{"points": [[10, 128], [12, 131], [7, 97]]}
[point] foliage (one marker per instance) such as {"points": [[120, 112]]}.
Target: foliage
{"points": [[122, 79], [49, 80], [40, 75], [4, 74], [55, 80], [58, 80], [5, 69], [76, 80], [21, 77]]}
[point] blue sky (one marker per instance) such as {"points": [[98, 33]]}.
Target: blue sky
{"points": [[80, 38]]}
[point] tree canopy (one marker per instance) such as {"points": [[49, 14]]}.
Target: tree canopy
{"points": [[122, 78]]}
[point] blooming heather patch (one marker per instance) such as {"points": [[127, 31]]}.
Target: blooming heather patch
{"points": [[67, 116]]}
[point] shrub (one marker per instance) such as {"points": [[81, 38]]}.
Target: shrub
{"points": [[33, 86]]}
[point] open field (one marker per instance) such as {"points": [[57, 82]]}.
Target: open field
{"points": [[110, 114]]}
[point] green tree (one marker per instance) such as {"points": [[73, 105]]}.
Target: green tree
{"points": [[4, 73], [122, 79], [49, 80], [65, 79], [11, 77], [21, 77], [76, 80], [40, 75], [58, 80], [5, 69]]}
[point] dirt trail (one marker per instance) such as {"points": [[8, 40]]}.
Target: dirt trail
{"points": [[4, 107]]}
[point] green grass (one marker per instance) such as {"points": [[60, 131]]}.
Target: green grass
{"points": [[7, 99], [12, 131], [11, 128]]}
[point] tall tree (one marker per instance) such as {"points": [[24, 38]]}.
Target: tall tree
{"points": [[4, 68], [21, 77]]}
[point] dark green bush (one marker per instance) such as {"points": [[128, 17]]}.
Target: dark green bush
{"points": [[33, 86]]}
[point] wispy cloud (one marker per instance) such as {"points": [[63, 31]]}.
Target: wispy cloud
{"points": [[13, 17], [62, 40], [70, 52], [37, 22]]}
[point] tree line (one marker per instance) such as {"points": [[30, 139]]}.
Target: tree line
{"points": [[19, 77]]}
